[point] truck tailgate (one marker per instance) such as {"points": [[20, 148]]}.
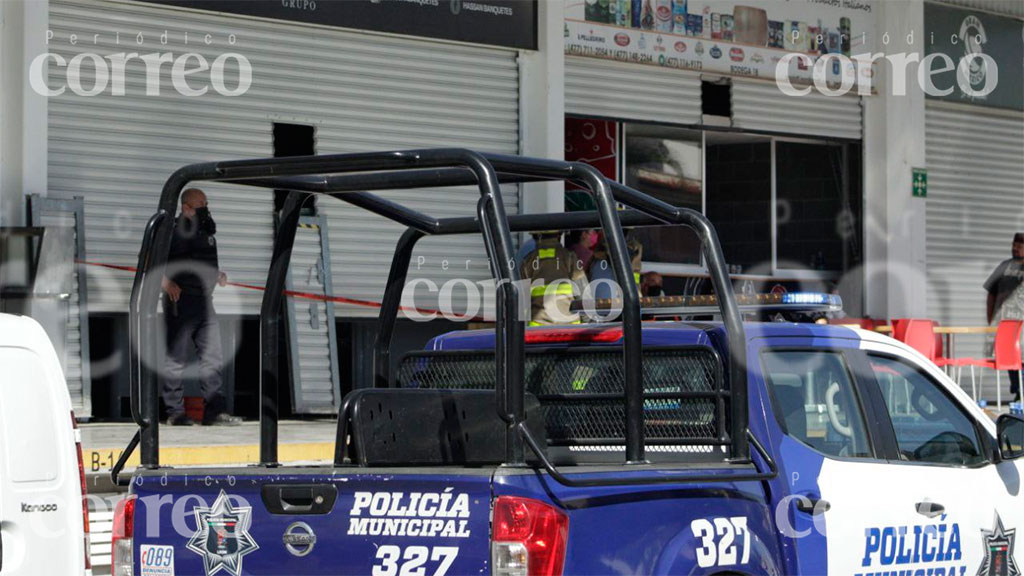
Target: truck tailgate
{"points": [[658, 529], [388, 522]]}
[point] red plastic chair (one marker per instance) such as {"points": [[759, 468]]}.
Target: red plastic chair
{"points": [[940, 359], [1006, 356], [899, 329], [920, 335], [915, 331]]}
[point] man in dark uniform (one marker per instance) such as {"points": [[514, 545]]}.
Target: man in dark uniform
{"points": [[1005, 287], [192, 274]]}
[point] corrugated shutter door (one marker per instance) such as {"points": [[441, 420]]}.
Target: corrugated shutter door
{"points": [[117, 151], [362, 92], [411, 94], [975, 166], [761, 106], [312, 336], [624, 91]]}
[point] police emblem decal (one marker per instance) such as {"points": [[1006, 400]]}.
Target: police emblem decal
{"points": [[998, 548], [222, 536]]}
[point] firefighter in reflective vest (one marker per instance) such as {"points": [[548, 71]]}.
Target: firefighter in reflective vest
{"points": [[555, 277]]}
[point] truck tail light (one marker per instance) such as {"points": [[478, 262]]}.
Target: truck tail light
{"points": [[122, 538], [559, 335], [85, 499], [528, 538]]}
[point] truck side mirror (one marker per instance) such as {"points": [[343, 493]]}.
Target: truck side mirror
{"points": [[1010, 435]]}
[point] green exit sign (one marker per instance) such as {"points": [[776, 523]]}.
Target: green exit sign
{"points": [[919, 183]]}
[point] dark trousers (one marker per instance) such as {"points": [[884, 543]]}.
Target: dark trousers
{"points": [[1015, 383], [192, 325]]}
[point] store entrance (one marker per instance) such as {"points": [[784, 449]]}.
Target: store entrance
{"points": [[787, 209]]}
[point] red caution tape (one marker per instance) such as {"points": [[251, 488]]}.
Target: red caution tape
{"points": [[293, 293]]}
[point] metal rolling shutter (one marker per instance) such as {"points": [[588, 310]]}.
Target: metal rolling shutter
{"points": [[975, 204], [410, 94], [625, 91], [312, 337], [117, 151], [361, 91], [72, 345], [759, 105]]}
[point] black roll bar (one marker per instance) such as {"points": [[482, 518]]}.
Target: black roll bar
{"points": [[631, 343], [134, 395], [143, 310], [349, 177], [734, 333], [390, 305], [270, 323], [578, 221], [139, 415]]}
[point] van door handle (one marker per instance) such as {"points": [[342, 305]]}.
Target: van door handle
{"points": [[299, 498], [930, 509], [812, 505]]}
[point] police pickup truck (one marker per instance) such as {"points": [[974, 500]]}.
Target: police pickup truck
{"points": [[615, 448]]}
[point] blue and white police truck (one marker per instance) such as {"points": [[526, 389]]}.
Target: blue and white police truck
{"points": [[676, 447]]}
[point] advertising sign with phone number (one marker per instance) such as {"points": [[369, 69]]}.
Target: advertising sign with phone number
{"points": [[726, 36]]}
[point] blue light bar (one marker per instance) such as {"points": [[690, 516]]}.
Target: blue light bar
{"points": [[708, 303], [813, 298]]}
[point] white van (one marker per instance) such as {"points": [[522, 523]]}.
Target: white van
{"points": [[43, 515]]}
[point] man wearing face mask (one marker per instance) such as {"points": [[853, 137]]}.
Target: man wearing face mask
{"points": [[192, 274], [651, 285], [1005, 287]]}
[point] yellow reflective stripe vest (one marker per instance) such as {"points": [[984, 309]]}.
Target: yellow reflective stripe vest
{"points": [[562, 288]]}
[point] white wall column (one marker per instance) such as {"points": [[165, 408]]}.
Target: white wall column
{"points": [[23, 123], [894, 232], [542, 102]]}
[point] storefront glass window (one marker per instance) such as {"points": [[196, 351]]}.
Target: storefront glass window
{"points": [[666, 163], [732, 178], [811, 206], [739, 197]]}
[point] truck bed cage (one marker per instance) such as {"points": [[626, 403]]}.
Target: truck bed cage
{"points": [[351, 178]]}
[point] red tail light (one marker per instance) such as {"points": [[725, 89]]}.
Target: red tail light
{"points": [[555, 335], [122, 536], [81, 479], [528, 538]]}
